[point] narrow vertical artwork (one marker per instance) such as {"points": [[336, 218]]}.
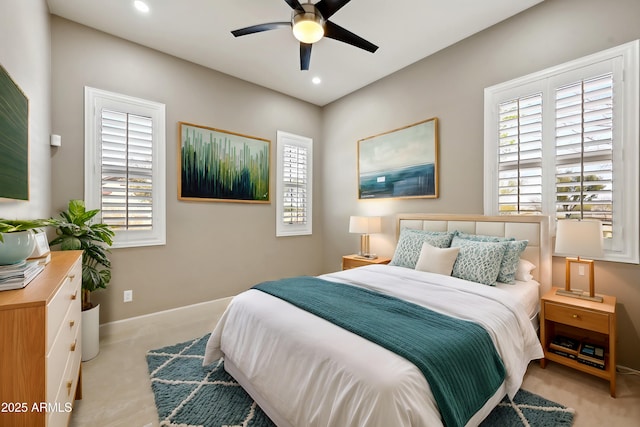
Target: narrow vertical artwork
{"points": [[217, 165], [14, 140]]}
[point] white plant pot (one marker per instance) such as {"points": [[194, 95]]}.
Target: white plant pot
{"points": [[90, 333]]}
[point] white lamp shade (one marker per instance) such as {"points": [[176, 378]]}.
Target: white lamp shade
{"points": [[365, 224], [579, 238]]}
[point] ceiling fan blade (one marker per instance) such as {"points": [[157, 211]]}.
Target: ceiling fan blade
{"points": [[305, 56], [336, 32], [294, 4], [329, 7], [259, 28]]}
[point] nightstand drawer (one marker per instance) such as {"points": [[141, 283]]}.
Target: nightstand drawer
{"points": [[577, 317], [354, 263]]}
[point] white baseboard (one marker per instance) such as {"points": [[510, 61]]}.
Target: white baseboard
{"points": [[202, 315]]}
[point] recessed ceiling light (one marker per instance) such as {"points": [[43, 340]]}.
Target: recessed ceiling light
{"points": [[316, 80], [141, 6]]}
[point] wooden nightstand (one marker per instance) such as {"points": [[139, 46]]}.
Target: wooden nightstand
{"points": [[586, 321], [353, 261]]}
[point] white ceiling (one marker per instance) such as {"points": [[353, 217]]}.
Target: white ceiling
{"points": [[200, 31]]}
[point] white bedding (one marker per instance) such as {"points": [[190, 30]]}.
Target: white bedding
{"points": [[305, 371], [526, 293]]}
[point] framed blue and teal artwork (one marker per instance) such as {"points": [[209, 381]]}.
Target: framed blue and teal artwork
{"points": [[402, 163], [222, 166]]}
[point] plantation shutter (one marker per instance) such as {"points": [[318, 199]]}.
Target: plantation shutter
{"points": [[127, 170], [294, 185], [520, 156], [584, 150], [295, 180]]}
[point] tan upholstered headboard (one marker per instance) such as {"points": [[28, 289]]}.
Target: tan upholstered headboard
{"points": [[534, 228]]}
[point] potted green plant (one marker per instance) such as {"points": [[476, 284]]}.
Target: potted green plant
{"points": [[17, 239], [76, 231]]}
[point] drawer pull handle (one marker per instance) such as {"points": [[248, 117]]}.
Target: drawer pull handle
{"points": [[71, 323], [73, 346], [72, 276], [575, 316], [75, 295], [69, 385]]}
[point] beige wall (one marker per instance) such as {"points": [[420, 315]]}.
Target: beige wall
{"points": [[213, 250], [449, 85], [25, 52]]}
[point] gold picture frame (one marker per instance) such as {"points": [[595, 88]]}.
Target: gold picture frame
{"points": [[216, 165], [401, 163]]}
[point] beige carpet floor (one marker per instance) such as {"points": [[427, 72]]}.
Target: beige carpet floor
{"points": [[116, 388]]}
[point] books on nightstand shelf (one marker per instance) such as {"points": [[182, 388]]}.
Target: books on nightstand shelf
{"points": [[592, 355], [17, 276], [564, 346], [583, 352]]}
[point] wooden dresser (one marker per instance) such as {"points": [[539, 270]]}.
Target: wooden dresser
{"points": [[40, 349]]}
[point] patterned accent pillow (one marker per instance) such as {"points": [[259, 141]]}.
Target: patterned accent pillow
{"points": [[510, 261], [509, 265], [410, 244], [478, 261], [482, 237]]}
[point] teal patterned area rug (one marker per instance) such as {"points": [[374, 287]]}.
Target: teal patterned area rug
{"points": [[189, 395]]}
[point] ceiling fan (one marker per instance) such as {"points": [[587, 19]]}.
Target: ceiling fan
{"points": [[310, 22]]}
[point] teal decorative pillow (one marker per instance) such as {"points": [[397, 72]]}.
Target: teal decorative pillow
{"points": [[510, 260], [509, 265], [482, 237], [478, 261], [410, 244]]}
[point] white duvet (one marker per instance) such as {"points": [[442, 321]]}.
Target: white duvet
{"points": [[305, 371]]}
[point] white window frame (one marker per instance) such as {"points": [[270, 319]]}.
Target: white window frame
{"points": [[283, 229], [94, 101], [623, 61]]}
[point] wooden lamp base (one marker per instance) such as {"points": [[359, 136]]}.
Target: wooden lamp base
{"points": [[578, 293]]}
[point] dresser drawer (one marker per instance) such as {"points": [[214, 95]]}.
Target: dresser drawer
{"points": [[68, 294], [65, 346], [577, 317], [65, 393]]}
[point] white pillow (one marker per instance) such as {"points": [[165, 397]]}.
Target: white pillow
{"points": [[437, 260], [523, 273]]}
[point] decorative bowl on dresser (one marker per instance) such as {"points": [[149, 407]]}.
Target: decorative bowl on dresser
{"points": [[40, 346]]}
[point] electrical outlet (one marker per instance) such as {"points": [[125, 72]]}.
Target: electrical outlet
{"points": [[581, 270], [128, 296]]}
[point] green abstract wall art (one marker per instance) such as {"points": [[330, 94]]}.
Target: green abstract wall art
{"points": [[14, 139], [222, 166]]}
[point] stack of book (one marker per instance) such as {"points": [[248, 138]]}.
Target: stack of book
{"points": [[592, 355], [565, 346], [17, 276]]}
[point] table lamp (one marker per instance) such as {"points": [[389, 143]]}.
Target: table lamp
{"points": [[365, 225], [579, 238]]}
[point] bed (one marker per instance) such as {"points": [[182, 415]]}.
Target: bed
{"points": [[304, 370]]}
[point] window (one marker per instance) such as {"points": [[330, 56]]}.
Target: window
{"points": [[125, 166], [563, 142], [294, 184]]}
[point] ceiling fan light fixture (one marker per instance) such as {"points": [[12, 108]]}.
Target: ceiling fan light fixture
{"points": [[308, 25]]}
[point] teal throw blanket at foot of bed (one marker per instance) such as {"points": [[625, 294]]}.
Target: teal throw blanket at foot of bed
{"points": [[457, 357]]}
